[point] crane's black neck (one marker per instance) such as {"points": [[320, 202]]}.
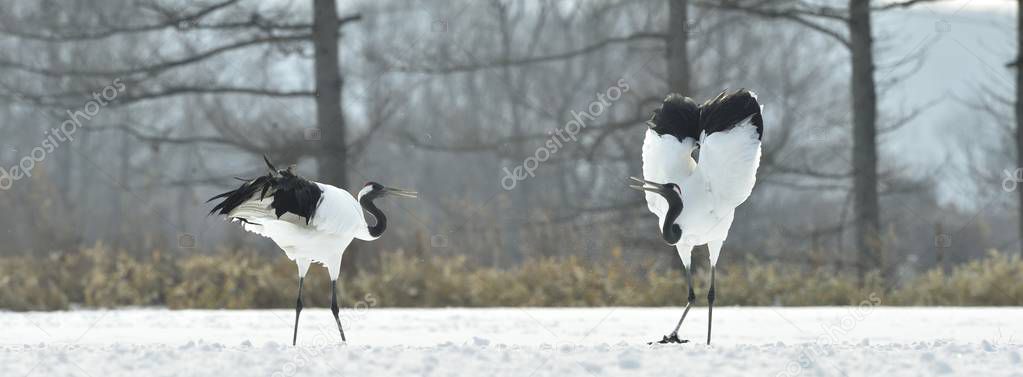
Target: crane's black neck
{"points": [[670, 231], [366, 201]]}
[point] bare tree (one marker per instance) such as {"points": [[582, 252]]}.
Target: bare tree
{"points": [[859, 40], [864, 113], [417, 93], [207, 34], [329, 118]]}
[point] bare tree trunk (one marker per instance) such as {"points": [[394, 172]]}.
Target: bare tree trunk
{"points": [[55, 53], [86, 186], [1019, 110], [332, 157], [864, 115], [518, 214], [677, 52], [116, 194]]}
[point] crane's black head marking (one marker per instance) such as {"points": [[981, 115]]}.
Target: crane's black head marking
{"points": [[678, 116], [672, 193], [375, 190], [372, 191], [674, 188]]}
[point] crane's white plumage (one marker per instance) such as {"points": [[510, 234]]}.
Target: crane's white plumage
{"points": [[695, 201], [666, 159], [310, 221], [339, 219], [728, 162]]}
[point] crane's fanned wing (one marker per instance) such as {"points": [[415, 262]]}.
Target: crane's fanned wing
{"points": [[730, 146], [668, 146]]}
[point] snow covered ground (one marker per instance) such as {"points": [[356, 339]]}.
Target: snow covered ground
{"points": [[858, 341]]}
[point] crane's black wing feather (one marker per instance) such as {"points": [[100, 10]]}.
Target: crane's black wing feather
{"points": [[678, 116], [729, 110], [290, 192], [296, 195]]}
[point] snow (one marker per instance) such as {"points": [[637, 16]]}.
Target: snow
{"points": [[855, 341]]}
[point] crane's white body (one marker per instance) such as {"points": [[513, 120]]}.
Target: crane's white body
{"points": [[310, 221], [711, 189], [339, 219]]}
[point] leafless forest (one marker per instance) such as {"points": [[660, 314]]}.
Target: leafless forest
{"points": [[517, 121]]}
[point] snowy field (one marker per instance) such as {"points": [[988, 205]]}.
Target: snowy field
{"points": [[523, 342]]}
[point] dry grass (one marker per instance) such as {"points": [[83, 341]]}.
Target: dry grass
{"points": [[97, 277]]}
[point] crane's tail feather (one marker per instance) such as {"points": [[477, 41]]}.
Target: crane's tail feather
{"points": [[253, 210], [244, 193], [270, 196]]}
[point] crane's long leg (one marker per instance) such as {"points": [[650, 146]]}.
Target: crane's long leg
{"points": [[673, 338], [298, 310], [334, 268], [710, 304], [685, 253], [715, 251], [689, 303], [335, 309], [303, 268]]}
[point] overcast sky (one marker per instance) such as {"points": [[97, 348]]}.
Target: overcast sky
{"points": [[968, 42]]}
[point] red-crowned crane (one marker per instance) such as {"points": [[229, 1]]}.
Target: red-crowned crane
{"points": [[695, 202], [310, 221]]}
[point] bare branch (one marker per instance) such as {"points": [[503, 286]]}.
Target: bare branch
{"points": [[171, 91], [802, 17], [169, 21], [158, 139], [536, 59], [156, 68], [901, 4]]}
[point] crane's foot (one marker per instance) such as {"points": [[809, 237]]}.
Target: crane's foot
{"points": [[671, 339]]}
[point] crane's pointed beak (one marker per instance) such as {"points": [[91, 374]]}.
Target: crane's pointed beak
{"points": [[645, 182], [644, 188], [646, 185], [401, 193]]}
